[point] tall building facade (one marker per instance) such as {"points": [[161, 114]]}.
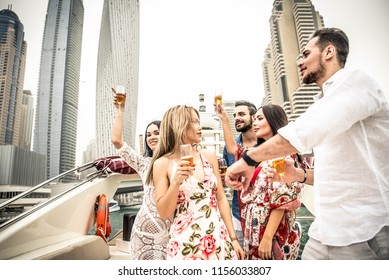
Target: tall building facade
{"points": [[291, 24], [117, 63], [12, 66], [26, 120], [55, 132]]}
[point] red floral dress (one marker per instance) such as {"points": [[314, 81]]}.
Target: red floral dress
{"points": [[197, 231], [260, 200]]}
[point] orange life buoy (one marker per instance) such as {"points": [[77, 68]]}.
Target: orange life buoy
{"points": [[103, 227]]}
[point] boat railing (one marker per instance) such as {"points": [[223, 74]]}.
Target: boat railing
{"points": [[104, 166], [100, 172]]}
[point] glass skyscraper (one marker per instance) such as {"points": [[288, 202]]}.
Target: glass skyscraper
{"points": [[55, 132], [118, 63], [12, 65]]}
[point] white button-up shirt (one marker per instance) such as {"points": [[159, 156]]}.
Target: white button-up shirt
{"points": [[348, 129]]}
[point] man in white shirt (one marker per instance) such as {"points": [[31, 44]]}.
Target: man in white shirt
{"points": [[348, 129]]}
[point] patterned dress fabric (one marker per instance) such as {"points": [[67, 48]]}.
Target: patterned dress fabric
{"points": [[197, 231], [149, 236], [260, 200]]}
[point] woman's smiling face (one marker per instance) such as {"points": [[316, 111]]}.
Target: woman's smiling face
{"points": [[152, 136], [261, 127]]}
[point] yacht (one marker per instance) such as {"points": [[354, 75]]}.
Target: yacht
{"points": [[59, 227]]}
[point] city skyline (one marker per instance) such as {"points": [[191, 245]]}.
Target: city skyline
{"points": [[170, 30]]}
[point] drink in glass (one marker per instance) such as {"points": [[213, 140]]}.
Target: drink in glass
{"points": [[279, 165], [188, 158], [120, 94], [218, 97], [186, 153], [222, 166]]}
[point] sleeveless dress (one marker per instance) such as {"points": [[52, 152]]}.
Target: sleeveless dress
{"points": [[261, 198], [149, 236], [197, 231]]}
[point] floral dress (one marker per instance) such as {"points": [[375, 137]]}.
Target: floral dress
{"points": [[197, 231], [260, 200], [149, 236]]}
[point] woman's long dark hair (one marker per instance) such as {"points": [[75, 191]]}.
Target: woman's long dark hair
{"points": [[275, 116], [149, 152]]}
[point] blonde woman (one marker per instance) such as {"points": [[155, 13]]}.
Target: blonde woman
{"points": [[191, 195]]}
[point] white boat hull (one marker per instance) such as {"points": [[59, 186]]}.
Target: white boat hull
{"points": [[65, 221]]}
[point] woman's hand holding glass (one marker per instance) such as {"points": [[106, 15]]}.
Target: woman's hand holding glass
{"points": [[186, 166]]}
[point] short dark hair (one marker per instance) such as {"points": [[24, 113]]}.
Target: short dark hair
{"points": [[336, 37], [252, 108], [149, 152]]}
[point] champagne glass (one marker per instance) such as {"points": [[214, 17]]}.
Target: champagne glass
{"points": [[218, 96], [218, 101], [279, 165], [222, 166], [120, 94], [186, 154]]}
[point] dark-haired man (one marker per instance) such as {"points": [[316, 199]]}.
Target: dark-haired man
{"points": [[243, 116], [348, 129]]}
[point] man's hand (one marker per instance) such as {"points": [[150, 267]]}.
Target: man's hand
{"points": [[238, 175]]}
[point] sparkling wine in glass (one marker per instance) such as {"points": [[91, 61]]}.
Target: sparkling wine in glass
{"points": [[222, 166], [218, 97], [186, 154], [279, 165], [120, 94]]}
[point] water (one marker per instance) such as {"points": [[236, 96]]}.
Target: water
{"points": [[305, 218], [116, 218]]}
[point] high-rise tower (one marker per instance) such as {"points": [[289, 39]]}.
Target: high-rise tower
{"points": [[117, 63], [55, 133], [26, 120], [291, 24], [12, 65]]}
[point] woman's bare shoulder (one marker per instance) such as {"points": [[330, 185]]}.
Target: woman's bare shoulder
{"points": [[161, 162], [210, 155]]}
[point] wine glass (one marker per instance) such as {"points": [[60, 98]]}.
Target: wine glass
{"points": [[218, 101], [186, 154], [222, 166], [120, 94], [279, 165], [218, 96]]}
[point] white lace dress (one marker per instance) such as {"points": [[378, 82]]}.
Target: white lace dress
{"points": [[149, 236]]}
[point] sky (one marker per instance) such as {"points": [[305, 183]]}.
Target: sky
{"points": [[189, 47]]}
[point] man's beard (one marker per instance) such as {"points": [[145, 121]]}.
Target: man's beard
{"points": [[313, 77], [245, 128]]}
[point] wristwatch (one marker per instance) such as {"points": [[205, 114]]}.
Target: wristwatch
{"points": [[249, 160]]}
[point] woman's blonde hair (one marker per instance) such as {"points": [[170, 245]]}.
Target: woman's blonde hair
{"points": [[172, 133]]}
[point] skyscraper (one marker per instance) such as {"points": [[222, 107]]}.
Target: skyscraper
{"points": [[291, 24], [117, 63], [12, 65], [55, 132], [26, 120]]}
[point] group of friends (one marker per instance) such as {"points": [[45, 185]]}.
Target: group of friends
{"points": [[185, 213]]}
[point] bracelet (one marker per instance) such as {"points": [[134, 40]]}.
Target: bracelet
{"points": [[234, 238], [305, 176], [249, 160]]}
